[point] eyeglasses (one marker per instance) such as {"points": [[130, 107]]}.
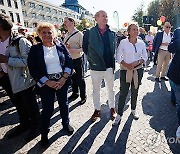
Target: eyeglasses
{"points": [[168, 27], [135, 48]]}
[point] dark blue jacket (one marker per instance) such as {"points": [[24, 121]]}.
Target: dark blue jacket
{"points": [[37, 66], [174, 47], [158, 41]]}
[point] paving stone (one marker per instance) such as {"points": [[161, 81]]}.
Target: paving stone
{"points": [[149, 134]]}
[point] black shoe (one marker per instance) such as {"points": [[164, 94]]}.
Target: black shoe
{"points": [[33, 133], [44, 140], [82, 101], [174, 103], [73, 97], [164, 78], [157, 80], [17, 131], [69, 129]]}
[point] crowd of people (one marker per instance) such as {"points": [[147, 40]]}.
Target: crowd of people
{"points": [[48, 65]]}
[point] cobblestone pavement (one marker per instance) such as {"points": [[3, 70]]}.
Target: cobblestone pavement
{"points": [[154, 132]]}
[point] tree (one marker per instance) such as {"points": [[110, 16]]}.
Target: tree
{"points": [[138, 15], [168, 8], [83, 25], [153, 10]]}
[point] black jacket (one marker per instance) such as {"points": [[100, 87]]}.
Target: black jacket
{"points": [[174, 47], [37, 66]]}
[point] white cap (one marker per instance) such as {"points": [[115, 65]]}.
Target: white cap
{"points": [[21, 27]]}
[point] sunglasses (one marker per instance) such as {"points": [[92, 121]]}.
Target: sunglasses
{"points": [[168, 27], [135, 48]]}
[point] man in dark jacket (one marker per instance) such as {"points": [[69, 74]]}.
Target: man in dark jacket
{"points": [[99, 45], [160, 48], [174, 71]]}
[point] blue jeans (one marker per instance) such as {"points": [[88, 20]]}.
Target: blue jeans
{"points": [[177, 93]]}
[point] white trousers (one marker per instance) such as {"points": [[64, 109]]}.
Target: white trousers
{"points": [[97, 77]]}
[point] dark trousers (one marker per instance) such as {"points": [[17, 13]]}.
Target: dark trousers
{"points": [[47, 98], [78, 82], [5, 83], [124, 89], [27, 107], [24, 101]]}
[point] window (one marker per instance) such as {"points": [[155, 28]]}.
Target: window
{"points": [[55, 19], [24, 13], [33, 15], [60, 12], [35, 24], [18, 18], [26, 24], [1, 2], [48, 9], [9, 3], [11, 15], [54, 11], [32, 5], [61, 20], [22, 2], [48, 18], [3, 11], [40, 7], [16, 4], [65, 14], [41, 17]]}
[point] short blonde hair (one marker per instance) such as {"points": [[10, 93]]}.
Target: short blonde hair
{"points": [[167, 24], [42, 25]]}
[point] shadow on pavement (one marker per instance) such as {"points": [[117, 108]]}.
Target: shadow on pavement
{"points": [[68, 148], [164, 120], [118, 146], [87, 143]]}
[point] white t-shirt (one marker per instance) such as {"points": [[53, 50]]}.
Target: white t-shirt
{"points": [[166, 39], [3, 47], [149, 38], [129, 52], [52, 60]]}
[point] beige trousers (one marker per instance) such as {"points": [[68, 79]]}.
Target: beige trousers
{"points": [[164, 58]]}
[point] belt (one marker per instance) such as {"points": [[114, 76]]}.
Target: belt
{"points": [[55, 76]]}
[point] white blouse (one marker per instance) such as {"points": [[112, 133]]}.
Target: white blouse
{"points": [[129, 52], [52, 60], [166, 39]]}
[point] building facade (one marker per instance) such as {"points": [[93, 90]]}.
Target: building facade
{"points": [[13, 9], [35, 11], [29, 12]]}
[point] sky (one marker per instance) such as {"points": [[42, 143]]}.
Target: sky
{"points": [[125, 8]]}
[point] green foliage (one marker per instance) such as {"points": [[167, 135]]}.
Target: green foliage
{"points": [[153, 10], [138, 15], [83, 25], [167, 8]]}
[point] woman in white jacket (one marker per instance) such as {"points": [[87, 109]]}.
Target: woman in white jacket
{"points": [[131, 54]]}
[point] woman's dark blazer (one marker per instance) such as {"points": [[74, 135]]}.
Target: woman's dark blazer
{"points": [[37, 66]]}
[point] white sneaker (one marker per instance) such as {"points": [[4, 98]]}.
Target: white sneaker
{"points": [[178, 132], [135, 114], [117, 120]]}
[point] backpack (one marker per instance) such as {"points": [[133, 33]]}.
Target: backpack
{"points": [[15, 41]]}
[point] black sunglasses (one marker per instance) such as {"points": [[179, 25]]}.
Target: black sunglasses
{"points": [[168, 27], [135, 48]]}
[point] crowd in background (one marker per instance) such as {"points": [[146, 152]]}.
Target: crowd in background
{"points": [[47, 64]]}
